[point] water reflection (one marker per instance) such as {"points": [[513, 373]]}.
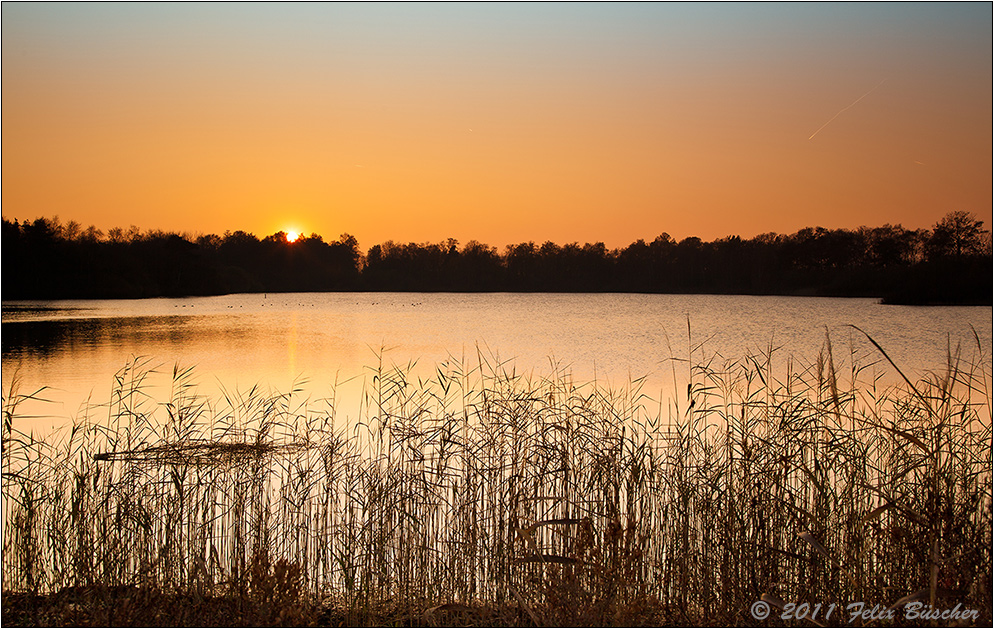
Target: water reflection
{"points": [[292, 343], [47, 338], [241, 341], [17, 311]]}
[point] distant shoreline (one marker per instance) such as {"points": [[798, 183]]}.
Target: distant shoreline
{"points": [[907, 300], [948, 265]]}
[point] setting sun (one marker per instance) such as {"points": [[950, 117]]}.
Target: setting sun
{"points": [[292, 236]]}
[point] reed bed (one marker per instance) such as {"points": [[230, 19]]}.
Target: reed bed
{"points": [[481, 495]]}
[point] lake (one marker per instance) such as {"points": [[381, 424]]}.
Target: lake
{"points": [[75, 347]]}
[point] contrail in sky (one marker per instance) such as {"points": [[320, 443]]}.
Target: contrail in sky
{"points": [[845, 108]]}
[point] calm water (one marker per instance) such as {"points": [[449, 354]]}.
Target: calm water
{"points": [[237, 341]]}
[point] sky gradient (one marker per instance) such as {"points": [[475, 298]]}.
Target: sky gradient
{"points": [[503, 123]]}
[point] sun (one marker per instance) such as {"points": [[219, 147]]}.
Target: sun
{"points": [[292, 236]]}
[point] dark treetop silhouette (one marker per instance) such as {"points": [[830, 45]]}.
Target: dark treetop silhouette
{"points": [[951, 263]]}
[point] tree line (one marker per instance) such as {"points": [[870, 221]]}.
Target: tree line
{"points": [[950, 263]]}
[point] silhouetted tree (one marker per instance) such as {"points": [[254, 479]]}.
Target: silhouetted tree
{"points": [[958, 234], [45, 258]]}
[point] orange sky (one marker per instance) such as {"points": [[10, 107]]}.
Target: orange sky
{"points": [[500, 123]]}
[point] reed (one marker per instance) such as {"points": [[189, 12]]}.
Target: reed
{"points": [[483, 495]]}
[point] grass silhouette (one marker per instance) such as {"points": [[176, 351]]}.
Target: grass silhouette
{"points": [[485, 496]]}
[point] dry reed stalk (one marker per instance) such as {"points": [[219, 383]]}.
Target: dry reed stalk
{"points": [[481, 488]]}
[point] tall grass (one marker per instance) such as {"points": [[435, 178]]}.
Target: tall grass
{"points": [[481, 492]]}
